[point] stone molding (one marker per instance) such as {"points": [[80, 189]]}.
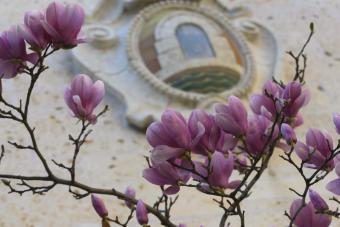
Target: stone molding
{"points": [[218, 17]]}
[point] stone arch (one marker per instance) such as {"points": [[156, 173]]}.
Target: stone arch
{"points": [[169, 49], [194, 41]]}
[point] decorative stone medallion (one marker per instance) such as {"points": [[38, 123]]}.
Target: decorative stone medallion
{"points": [[189, 52], [179, 54]]}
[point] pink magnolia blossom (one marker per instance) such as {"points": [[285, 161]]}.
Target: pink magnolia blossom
{"points": [[291, 98], [221, 168], [83, 96], [13, 53], [308, 216], [165, 174], [317, 149], [33, 31], [169, 138], [259, 130], [63, 24], [99, 206], [207, 137], [261, 104], [232, 118], [295, 97]]}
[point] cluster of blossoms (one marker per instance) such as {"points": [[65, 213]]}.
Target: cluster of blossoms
{"points": [[58, 26], [311, 214], [209, 147], [316, 153]]}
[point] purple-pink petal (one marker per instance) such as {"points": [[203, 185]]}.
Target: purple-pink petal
{"points": [[288, 133], [317, 201], [176, 127], [131, 193], [171, 190], [156, 135], [334, 186], [99, 206], [163, 153], [305, 217], [141, 213], [336, 121]]}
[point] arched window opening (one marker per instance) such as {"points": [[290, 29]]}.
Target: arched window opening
{"points": [[194, 42]]}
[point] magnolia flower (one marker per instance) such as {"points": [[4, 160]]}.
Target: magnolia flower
{"points": [[99, 206], [232, 118], [259, 130], [291, 98], [317, 149], [141, 213], [63, 24], [163, 174], [33, 31], [295, 98], [131, 193], [220, 171], [261, 104], [83, 96], [13, 53], [334, 185], [169, 138], [207, 137], [226, 142], [308, 216]]}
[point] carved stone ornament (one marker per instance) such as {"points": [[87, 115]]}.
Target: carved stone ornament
{"points": [[178, 54]]}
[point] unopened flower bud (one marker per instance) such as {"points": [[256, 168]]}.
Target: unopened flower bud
{"points": [[142, 213], [131, 193], [288, 133], [99, 206]]}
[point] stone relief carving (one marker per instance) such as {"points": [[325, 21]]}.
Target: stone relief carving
{"points": [[138, 54]]}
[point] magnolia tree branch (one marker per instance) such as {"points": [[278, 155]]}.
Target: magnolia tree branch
{"points": [[258, 173], [300, 72], [318, 175], [321, 172], [34, 72], [89, 190], [119, 222]]}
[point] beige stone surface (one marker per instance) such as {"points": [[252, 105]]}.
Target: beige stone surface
{"points": [[114, 155]]}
